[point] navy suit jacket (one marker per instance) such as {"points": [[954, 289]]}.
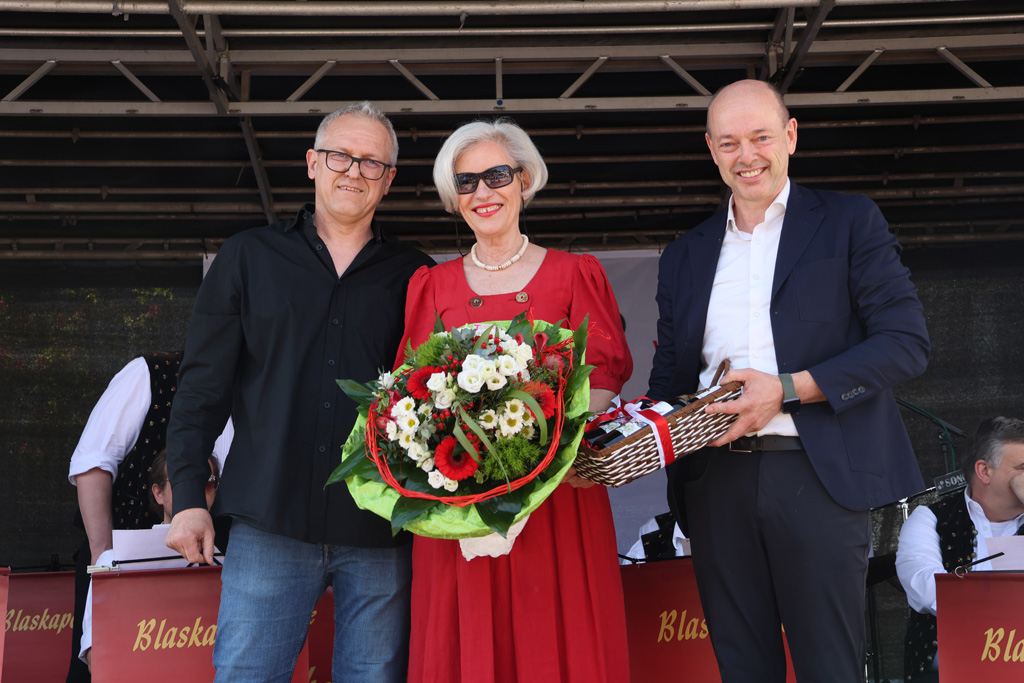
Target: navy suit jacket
{"points": [[842, 307]]}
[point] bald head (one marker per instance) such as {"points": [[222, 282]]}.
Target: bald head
{"points": [[745, 89]]}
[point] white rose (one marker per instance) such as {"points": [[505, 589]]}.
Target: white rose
{"points": [[507, 365], [391, 430], [510, 347], [471, 380], [472, 362], [416, 451], [435, 479], [450, 484], [524, 354], [438, 381], [496, 381], [386, 381], [488, 369], [427, 465], [443, 400]]}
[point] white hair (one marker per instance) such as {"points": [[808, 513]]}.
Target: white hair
{"points": [[366, 110], [504, 132]]}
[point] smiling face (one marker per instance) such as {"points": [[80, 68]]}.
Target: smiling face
{"points": [[751, 141], [348, 198], [491, 212]]}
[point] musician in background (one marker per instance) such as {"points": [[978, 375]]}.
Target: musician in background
{"points": [[952, 532]]}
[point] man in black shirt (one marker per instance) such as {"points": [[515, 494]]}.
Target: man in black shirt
{"points": [[284, 311]]}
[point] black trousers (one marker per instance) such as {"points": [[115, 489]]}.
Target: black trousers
{"points": [[772, 550], [78, 672]]}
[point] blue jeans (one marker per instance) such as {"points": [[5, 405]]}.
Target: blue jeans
{"points": [[269, 586]]}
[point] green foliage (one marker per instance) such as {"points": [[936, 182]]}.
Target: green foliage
{"points": [[408, 509], [429, 352], [360, 392], [520, 325], [355, 465], [515, 456], [499, 513]]}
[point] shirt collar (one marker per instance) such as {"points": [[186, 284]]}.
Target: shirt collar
{"points": [[305, 215], [975, 507], [777, 208]]}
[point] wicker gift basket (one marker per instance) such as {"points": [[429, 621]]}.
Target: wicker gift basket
{"points": [[689, 429]]}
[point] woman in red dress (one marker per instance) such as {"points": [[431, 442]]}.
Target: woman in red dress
{"points": [[551, 609]]}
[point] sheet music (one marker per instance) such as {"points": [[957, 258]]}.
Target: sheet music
{"points": [[1012, 548], [142, 544]]}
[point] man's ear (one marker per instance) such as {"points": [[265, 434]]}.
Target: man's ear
{"points": [[311, 159], [982, 472], [158, 494]]}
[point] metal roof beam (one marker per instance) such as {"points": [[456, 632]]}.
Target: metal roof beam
{"points": [[135, 81], [685, 75], [188, 32], [792, 68], [584, 77], [654, 103], [409, 76], [963, 68], [875, 54], [32, 79]]}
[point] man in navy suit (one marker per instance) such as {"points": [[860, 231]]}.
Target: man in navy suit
{"points": [[803, 291]]}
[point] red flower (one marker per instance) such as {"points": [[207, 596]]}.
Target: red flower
{"points": [[543, 395], [417, 384], [457, 466]]}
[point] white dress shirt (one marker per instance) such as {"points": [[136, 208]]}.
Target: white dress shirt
{"points": [[919, 558], [739, 326], [116, 420]]}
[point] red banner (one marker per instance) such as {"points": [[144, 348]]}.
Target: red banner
{"points": [[4, 571], [668, 637], [40, 614], [159, 625], [981, 627], [320, 639]]}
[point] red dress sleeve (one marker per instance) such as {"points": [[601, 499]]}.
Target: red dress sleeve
{"points": [[419, 311], [606, 341]]}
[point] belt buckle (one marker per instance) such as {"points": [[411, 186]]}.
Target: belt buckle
{"points": [[733, 449]]}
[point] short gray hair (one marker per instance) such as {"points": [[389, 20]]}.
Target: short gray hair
{"points": [[504, 132], [988, 441], [367, 110]]}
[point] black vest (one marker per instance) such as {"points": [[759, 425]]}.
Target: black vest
{"points": [[956, 539], [131, 486]]}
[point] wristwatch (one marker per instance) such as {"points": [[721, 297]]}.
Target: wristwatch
{"points": [[790, 401]]}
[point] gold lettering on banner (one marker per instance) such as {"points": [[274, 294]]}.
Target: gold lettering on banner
{"points": [[175, 637], [58, 621], [691, 629]]}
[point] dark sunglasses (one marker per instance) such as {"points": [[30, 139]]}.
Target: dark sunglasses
{"points": [[213, 482], [499, 176]]}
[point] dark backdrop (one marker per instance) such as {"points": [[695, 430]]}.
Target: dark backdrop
{"points": [[65, 330]]}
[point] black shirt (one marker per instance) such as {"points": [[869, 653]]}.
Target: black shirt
{"points": [[272, 328]]}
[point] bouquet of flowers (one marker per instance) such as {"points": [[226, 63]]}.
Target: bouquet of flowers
{"points": [[473, 432]]}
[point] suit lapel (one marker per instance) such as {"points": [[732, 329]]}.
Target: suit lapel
{"points": [[704, 251], [802, 220]]}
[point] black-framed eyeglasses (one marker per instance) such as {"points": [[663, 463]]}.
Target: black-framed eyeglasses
{"points": [[499, 176], [339, 162]]}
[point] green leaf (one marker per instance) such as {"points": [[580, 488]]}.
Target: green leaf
{"points": [[477, 429], [482, 341], [579, 375], [360, 392], [520, 325], [538, 414], [408, 509], [439, 327], [358, 464], [499, 513], [579, 339], [460, 436]]}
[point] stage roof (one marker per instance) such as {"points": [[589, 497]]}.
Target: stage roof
{"points": [[154, 130]]}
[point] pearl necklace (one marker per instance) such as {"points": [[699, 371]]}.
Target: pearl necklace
{"points": [[518, 255]]}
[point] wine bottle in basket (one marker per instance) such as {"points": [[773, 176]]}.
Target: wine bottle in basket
{"points": [[618, 429]]}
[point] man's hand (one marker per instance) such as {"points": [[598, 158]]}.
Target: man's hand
{"points": [[575, 480], [1017, 486], [191, 534], [760, 402]]}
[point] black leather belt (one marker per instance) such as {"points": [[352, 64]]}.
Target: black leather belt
{"points": [[768, 442]]}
